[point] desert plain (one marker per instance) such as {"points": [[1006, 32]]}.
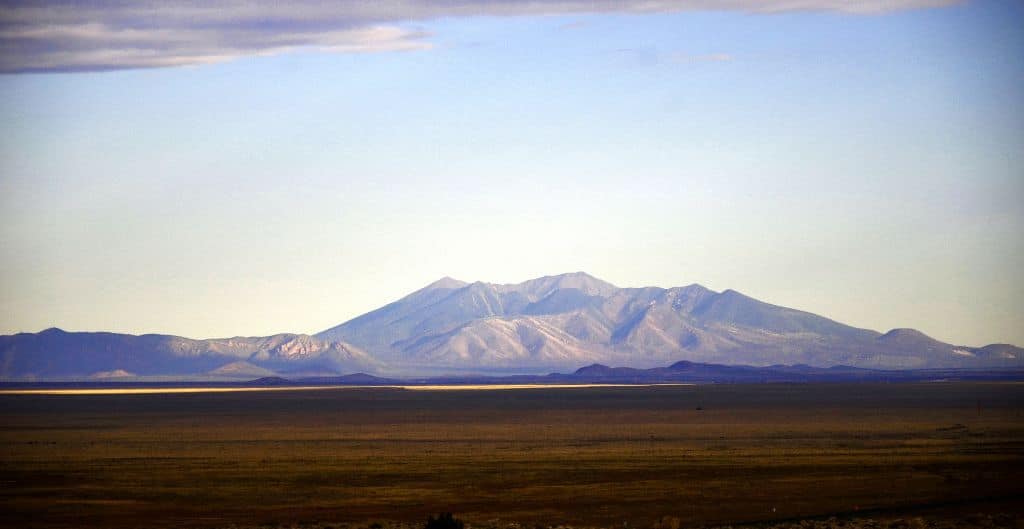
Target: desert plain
{"points": [[644, 456]]}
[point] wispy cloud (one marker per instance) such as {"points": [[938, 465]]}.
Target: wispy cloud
{"points": [[97, 35]]}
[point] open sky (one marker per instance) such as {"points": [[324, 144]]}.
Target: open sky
{"points": [[219, 169]]}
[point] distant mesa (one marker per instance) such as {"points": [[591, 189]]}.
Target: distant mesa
{"points": [[551, 323], [592, 369], [270, 381], [354, 379]]}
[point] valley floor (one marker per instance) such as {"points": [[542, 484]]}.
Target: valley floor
{"points": [[587, 457]]}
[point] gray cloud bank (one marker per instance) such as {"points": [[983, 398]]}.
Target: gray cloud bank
{"points": [[98, 35]]}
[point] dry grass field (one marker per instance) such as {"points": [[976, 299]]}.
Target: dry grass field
{"points": [[708, 455]]}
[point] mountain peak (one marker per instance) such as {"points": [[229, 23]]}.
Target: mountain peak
{"points": [[579, 276], [905, 334], [693, 288], [542, 286], [446, 282]]}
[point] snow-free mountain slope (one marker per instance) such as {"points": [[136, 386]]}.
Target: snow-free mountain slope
{"points": [[57, 353], [555, 321], [552, 323]]}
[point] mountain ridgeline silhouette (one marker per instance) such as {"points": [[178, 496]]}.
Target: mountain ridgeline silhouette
{"points": [[571, 320], [550, 323]]}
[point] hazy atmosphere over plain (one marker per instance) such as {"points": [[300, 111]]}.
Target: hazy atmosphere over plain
{"points": [[214, 170]]}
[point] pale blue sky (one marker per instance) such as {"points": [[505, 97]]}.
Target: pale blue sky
{"points": [[869, 168]]}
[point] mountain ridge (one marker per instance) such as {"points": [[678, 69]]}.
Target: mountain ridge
{"points": [[536, 326], [470, 326], [58, 353]]}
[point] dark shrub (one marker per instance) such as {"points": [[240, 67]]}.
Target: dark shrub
{"points": [[444, 520]]}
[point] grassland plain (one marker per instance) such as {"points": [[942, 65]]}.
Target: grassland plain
{"points": [[708, 455]]}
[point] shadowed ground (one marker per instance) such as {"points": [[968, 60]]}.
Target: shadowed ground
{"points": [[591, 456]]}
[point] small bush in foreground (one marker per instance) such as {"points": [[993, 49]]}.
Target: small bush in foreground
{"points": [[444, 521]]}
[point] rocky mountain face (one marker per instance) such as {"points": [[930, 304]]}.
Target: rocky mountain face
{"points": [[570, 320], [55, 353], [547, 324]]}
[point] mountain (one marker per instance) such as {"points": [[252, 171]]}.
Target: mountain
{"points": [[551, 323], [55, 353], [568, 320]]}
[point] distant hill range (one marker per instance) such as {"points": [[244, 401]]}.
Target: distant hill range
{"points": [[56, 354], [546, 324], [679, 372]]}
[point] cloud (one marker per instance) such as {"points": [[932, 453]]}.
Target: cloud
{"points": [[98, 35]]}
